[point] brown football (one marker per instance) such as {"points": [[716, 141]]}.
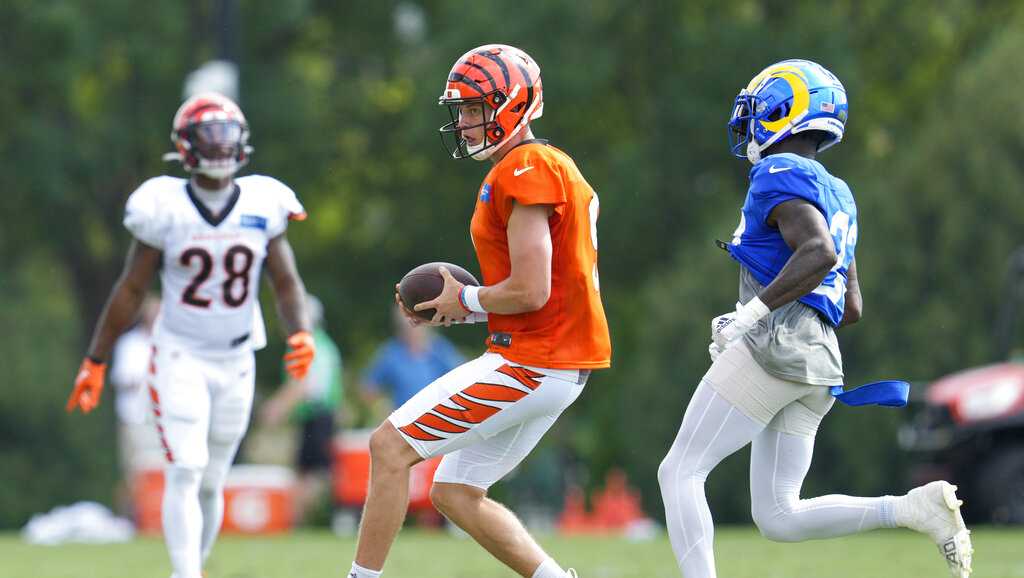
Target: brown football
{"points": [[425, 283]]}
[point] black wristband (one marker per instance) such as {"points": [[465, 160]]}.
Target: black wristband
{"points": [[95, 360]]}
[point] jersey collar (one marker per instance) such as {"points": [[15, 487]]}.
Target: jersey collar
{"points": [[540, 141], [204, 211]]}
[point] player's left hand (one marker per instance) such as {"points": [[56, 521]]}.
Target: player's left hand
{"points": [[448, 307], [88, 386], [298, 360], [727, 329]]}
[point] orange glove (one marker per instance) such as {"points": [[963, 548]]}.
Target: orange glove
{"points": [[298, 360], [88, 386]]}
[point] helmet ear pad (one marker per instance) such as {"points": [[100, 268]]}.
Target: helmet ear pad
{"points": [[495, 100]]}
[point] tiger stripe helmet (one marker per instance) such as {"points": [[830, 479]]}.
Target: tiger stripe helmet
{"points": [[210, 120], [506, 81], [787, 98]]}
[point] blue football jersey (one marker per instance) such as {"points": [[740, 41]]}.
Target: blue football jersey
{"points": [[761, 248]]}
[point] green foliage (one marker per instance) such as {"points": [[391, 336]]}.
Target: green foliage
{"points": [[341, 98], [49, 458]]}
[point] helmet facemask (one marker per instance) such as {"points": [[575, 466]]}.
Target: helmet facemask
{"points": [[216, 149], [750, 109], [482, 112], [741, 124]]}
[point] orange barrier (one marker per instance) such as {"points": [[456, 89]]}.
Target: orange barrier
{"points": [[148, 495], [351, 472], [257, 500]]}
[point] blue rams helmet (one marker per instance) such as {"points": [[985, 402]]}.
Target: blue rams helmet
{"points": [[784, 99]]}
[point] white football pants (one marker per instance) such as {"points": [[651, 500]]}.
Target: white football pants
{"points": [[714, 427], [485, 416], [202, 408]]}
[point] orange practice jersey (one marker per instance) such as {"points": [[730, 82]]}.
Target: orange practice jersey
{"points": [[570, 331]]}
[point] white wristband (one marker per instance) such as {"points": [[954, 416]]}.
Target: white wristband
{"points": [[755, 309], [470, 297]]}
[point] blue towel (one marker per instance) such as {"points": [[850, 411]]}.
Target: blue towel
{"points": [[891, 393]]}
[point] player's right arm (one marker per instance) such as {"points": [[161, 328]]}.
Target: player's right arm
{"points": [[805, 231], [528, 287], [120, 311]]}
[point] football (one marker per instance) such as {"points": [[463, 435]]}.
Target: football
{"points": [[425, 283]]}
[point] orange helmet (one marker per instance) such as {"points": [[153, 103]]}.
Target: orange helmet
{"points": [[210, 136], [506, 81]]}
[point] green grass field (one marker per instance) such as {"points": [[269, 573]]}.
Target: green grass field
{"points": [[742, 553]]}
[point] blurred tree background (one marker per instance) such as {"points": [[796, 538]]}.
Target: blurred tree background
{"points": [[341, 98]]}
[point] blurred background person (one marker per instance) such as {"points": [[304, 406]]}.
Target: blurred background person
{"points": [[138, 442], [312, 403], [404, 364]]}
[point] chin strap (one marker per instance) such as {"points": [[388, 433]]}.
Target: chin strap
{"points": [[753, 152]]}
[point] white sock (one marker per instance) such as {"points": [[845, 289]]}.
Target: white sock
{"points": [[549, 569], [901, 513], [358, 571], [182, 520]]}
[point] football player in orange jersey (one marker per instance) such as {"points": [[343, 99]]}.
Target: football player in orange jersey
{"points": [[534, 230]]}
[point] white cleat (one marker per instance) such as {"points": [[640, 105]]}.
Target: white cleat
{"points": [[571, 573], [934, 509]]}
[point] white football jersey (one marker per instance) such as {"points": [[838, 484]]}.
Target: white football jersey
{"points": [[211, 266]]}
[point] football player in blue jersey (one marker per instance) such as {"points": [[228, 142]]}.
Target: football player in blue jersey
{"points": [[775, 357]]}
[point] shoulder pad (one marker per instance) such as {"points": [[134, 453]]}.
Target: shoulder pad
{"points": [[142, 215], [784, 173], [283, 204]]}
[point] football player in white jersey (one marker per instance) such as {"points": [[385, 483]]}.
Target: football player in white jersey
{"points": [[208, 236]]}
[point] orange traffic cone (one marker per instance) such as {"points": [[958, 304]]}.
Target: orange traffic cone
{"points": [[574, 518]]}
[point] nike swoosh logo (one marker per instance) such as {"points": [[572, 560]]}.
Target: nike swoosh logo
{"points": [[518, 172], [774, 169]]}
